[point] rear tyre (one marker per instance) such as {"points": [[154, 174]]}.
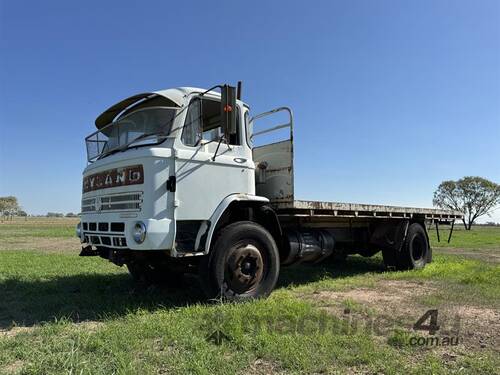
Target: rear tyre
{"points": [[415, 252], [242, 265]]}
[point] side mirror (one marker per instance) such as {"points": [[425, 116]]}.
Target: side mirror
{"points": [[228, 110]]}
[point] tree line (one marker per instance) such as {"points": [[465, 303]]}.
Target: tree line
{"points": [[9, 207]]}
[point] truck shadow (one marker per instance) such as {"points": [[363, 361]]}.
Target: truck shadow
{"points": [[84, 297], [97, 297], [307, 273]]}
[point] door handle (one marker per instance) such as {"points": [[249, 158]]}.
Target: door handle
{"points": [[240, 160], [172, 184]]}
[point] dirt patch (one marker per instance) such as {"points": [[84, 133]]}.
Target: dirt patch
{"points": [[481, 326], [89, 326], [14, 331], [262, 367], [394, 304], [386, 298], [45, 244], [388, 292], [486, 255], [13, 368]]}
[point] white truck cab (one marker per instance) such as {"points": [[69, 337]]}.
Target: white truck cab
{"points": [[174, 183], [180, 170]]}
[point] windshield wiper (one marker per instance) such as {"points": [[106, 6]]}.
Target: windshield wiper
{"points": [[144, 136]]}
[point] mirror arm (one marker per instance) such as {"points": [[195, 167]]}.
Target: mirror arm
{"points": [[227, 144], [210, 89], [222, 138], [217, 149]]}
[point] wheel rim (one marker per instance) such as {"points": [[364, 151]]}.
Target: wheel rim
{"points": [[418, 248], [244, 268]]}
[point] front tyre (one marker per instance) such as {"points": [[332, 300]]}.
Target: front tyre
{"points": [[242, 265]]}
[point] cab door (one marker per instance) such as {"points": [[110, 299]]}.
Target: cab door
{"points": [[210, 165]]}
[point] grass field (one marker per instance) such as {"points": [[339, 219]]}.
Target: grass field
{"points": [[63, 314], [38, 227], [480, 237]]}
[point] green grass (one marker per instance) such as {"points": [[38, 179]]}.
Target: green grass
{"points": [[479, 237], [66, 314], [42, 231], [174, 341], [89, 317], [38, 228]]}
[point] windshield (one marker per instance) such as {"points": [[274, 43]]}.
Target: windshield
{"points": [[142, 127]]}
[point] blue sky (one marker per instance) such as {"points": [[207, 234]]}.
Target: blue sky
{"points": [[390, 97]]}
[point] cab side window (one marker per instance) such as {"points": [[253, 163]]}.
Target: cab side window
{"points": [[191, 133], [248, 129], [203, 122]]}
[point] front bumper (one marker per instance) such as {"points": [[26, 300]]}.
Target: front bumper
{"points": [[117, 233]]}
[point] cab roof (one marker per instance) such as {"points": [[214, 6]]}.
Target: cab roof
{"points": [[174, 97]]}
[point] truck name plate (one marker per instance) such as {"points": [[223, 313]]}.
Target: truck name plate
{"points": [[130, 175]]}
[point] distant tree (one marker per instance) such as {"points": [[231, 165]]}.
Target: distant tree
{"points": [[71, 214], [8, 205], [22, 213], [491, 224], [473, 196]]}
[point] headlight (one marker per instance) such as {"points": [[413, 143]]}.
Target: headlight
{"points": [[78, 230], [139, 232]]}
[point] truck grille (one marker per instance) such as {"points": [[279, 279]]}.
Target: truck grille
{"points": [[113, 202], [104, 234], [88, 205]]}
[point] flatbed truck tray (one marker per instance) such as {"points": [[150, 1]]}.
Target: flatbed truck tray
{"points": [[352, 210]]}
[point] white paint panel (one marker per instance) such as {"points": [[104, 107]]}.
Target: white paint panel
{"points": [[202, 183], [275, 181], [157, 206]]}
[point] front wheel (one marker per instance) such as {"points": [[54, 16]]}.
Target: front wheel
{"points": [[243, 264]]}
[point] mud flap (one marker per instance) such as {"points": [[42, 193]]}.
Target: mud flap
{"points": [[428, 258], [390, 235]]}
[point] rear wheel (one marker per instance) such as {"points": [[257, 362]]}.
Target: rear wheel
{"points": [[243, 264], [416, 249], [415, 252]]}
